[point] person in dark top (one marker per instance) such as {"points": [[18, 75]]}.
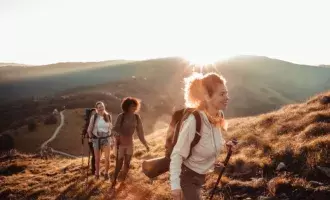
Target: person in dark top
{"points": [[128, 122]]}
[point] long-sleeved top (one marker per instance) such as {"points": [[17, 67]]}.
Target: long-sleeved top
{"points": [[203, 155], [100, 125], [131, 123]]}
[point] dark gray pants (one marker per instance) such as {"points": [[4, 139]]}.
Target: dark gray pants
{"points": [[191, 183]]}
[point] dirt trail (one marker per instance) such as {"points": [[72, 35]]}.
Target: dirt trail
{"points": [[44, 145]]}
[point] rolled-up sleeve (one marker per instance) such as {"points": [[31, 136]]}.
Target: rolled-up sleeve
{"points": [[181, 150]]}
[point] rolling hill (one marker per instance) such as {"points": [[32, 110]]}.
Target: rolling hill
{"points": [[256, 85], [296, 134]]}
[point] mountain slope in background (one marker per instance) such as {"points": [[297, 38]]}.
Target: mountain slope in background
{"points": [[297, 135], [256, 85]]}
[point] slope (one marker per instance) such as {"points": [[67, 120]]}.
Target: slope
{"points": [[297, 135]]}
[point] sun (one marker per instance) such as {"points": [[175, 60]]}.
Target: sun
{"points": [[199, 63], [200, 60]]}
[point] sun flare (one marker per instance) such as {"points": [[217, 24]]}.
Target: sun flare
{"points": [[200, 60], [202, 63]]}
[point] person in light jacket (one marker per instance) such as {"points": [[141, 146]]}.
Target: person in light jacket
{"points": [[208, 94]]}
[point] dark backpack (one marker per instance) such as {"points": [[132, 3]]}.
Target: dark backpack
{"points": [[173, 132], [157, 166], [87, 117], [88, 112]]}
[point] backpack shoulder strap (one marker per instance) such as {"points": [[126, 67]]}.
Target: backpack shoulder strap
{"points": [[109, 117], [197, 136]]}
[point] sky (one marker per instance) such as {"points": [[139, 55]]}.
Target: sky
{"points": [[50, 31]]}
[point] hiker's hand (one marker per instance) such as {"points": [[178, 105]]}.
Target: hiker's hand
{"points": [[177, 194], [218, 167], [231, 145], [89, 139]]}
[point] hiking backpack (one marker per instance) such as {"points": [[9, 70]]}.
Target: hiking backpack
{"points": [[87, 117], [157, 166], [88, 112], [175, 126]]}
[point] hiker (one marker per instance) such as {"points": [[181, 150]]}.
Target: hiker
{"points": [[126, 124], [91, 112], [209, 96], [99, 131]]}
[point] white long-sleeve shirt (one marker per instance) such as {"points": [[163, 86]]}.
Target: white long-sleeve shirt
{"points": [[203, 155]]}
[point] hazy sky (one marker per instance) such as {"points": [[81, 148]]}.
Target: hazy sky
{"points": [[48, 31]]}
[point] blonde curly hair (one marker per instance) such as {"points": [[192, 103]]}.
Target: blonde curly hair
{"points": [[198, 89]]}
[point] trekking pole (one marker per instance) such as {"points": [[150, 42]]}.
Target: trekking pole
{"points": [[223, 169], [82, 153], [89, 155]]}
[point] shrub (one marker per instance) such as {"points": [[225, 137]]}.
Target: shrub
{"points": [[32, 125], [51, 119]]}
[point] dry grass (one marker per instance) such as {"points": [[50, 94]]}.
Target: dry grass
{"points": [[30, 177], [297, 135]]}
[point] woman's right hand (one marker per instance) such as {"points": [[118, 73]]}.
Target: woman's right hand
{"points": [[177, 194]]}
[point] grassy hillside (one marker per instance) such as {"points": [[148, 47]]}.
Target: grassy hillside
{"points": [[256, 84], [297, 134], [14, 72], [46, 81], [68, 139], [30, 142], [277, 81]]}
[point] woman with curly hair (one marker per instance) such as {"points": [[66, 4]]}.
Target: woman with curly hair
{"points": [[208, 95]]}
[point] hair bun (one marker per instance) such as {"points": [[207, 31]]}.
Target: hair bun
{"points": [[194, 90]]}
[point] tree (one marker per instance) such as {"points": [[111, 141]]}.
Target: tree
{"points": [[32, 125]]}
